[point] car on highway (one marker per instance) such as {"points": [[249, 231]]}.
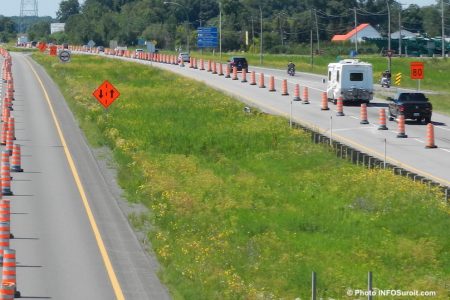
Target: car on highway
{"points": [[137, 52], [239, 62], [183, 56], [101, 49], [412, 105]]}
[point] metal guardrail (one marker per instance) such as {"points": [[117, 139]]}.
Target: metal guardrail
{"points": [[360, 158]]}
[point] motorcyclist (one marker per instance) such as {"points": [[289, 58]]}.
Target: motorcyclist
{"points": [[386, 79], [291, 66]]}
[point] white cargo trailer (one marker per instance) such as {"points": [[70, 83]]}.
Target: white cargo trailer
{"points": [[350, 79]]}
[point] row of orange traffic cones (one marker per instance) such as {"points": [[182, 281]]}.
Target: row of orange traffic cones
{"points": [[8, 287]]}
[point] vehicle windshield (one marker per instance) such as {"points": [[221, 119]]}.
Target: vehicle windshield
{"points": [[412, 97]]}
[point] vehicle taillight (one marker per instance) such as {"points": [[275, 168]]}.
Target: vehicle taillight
{"points": [[401, 108]]}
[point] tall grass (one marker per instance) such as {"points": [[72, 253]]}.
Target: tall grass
{"points": [[242, 207]]}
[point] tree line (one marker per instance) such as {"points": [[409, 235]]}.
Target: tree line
{"points": [[286, 24]]}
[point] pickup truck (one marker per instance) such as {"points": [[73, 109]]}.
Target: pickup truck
{"points": [[413, 106]]}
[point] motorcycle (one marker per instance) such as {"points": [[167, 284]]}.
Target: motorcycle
{"points": [[385, 80], [291, 71]]}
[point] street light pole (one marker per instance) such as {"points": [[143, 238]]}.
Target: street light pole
{"points": [[220, 30], [187, 21], [443, 29], [389, 35], [261, 38]]}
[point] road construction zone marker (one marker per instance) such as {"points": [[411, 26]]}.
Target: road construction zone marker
{"points": [[430, 137], [398, 78]]}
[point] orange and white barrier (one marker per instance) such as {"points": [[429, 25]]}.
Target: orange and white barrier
{"points": [[324, 105], [430, 136], [284, 88], [363, 114], [271, 84], [244, 76], [252, 78], [296, 92], [16, 159], [261, 81], [340, 107], [382, 120], [401, 127]]}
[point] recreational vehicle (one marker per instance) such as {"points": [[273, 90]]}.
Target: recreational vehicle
{"points": [[350, 79]]}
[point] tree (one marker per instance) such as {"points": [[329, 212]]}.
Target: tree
{"points": [[39, 31], [67, 8]]}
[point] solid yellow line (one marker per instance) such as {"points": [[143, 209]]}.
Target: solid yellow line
{"points": [[104, 253]]}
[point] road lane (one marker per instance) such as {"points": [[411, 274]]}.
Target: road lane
{"points": [[58, 255]]}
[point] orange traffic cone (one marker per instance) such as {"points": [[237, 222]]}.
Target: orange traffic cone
{"points": [[9, 142], [297, 92], [382, 120], [244, 76], [363, 114], [209, 66], [191, 62], [272, 84], [305, 95], [4, 135], [16, 159], [12, 127], [5, 210], [9, 269], [227, 71], [7, 291], [284, 88], [324, 105], [195, 64], [252, 78], [220, 69], [214, 67], [234, 74], [261, 80], [430, 136], [4, 239], [340, 107], [401, 127], [202, 64], [5, 174]]}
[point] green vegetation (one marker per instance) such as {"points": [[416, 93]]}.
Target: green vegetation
{"points": [[242, 207], [286, 24]]}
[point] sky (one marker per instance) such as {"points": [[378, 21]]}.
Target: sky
{"points": [[49, 7]]}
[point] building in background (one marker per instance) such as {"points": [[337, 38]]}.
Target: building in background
{"points": [[362, 31], [57, 27]]}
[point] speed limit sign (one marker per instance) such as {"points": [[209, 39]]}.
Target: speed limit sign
{"points": [[417, 71]]}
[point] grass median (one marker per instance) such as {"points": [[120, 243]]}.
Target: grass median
{"points": [[242, 207]]}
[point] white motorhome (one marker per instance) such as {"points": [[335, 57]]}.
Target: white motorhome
{"points": [[350, 79]]}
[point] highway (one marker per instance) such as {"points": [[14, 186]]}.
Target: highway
{"points": [[409, 153], [72, 239]]}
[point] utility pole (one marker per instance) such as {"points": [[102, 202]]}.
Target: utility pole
{"points": [[443, 29], [311, 39], [281, 30], [220, 30], [389, 24], [261, 37], [317, 31], [253, 36], [356, 30], [400, 31], [389, 34]]}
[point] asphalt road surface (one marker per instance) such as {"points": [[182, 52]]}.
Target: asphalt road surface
{"points": [[409, 153], [72, 240]]}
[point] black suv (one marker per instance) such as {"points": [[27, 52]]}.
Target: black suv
{"points": [[239, 62], [412, 105]]}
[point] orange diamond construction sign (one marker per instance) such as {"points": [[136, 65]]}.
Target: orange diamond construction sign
{"points": [[106, 93]]}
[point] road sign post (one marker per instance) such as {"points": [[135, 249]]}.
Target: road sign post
{"points": [[417, 72], [64, 56], [207, 37], [53, 50], [106, 94]]}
